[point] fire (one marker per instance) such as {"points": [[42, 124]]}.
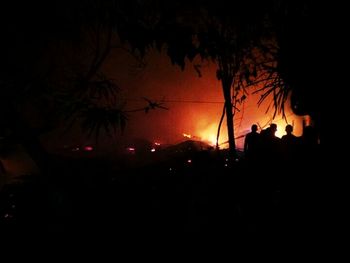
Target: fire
{"points": [[295, 121], [187, 135], [211, 138], [208, 134], [280, 129]]}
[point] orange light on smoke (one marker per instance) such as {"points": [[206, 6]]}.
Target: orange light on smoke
{"points": [[209, 133]]}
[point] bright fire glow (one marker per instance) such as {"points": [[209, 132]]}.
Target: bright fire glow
{"points": [[280, 129], [187, 135], [211, 139], [198, 120], [157, 143], [295, 121], [208, 134], [153, 150]]}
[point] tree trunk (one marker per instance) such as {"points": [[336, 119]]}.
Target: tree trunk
{"points": [[226, 86], [219, 127]]}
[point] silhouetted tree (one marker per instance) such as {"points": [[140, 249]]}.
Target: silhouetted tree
{"points": [[59, 51], [265, 43], [298, 28], [201, 28], [52, 55]]}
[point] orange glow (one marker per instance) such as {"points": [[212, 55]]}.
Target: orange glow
{"points": [[207, 126], [265, 119], [281, 124], [187, 135], [195, 104], [208, 134]]}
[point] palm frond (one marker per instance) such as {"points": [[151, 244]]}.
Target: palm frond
{"points": [[96, 120]]}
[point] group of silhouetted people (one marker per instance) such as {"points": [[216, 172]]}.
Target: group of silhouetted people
{"points": [[286, 165], [266, 147]]}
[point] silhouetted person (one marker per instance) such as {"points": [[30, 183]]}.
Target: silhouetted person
{"points": [[273, 129], [270, 154], [271, 143], [289, 136], [251, 144], [289, 144]]}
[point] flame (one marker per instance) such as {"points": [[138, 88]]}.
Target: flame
{"points": [[211, 138], [295, 121], [208, 134], [187, 135], [280, 129], [200, 119]]}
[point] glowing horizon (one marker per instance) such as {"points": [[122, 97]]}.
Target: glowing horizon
{"points": [[193, 102]]}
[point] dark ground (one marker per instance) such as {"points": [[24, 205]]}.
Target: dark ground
{"points": [[210, 196]]}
